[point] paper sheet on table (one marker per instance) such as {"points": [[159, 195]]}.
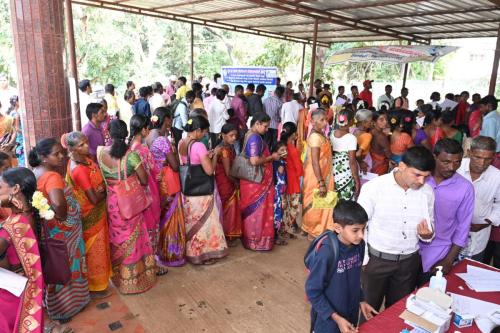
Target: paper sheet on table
{"points": [[448, 104], [340, 101], [480, 279], [12, 282]]}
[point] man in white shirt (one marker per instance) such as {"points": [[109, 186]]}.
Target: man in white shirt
{"points": [[387, 97], [84, 99], [486, 181], [217, 116], [216, 83], [290, 110], [157, 100], [181, 114], [400, 210]]}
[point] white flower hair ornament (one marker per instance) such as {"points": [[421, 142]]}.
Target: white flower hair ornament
{"points": [[42, 205]]}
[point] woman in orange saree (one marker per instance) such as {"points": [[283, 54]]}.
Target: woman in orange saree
{"points": [[257, 199], [85, 180], [318, 174], [19, 253]]}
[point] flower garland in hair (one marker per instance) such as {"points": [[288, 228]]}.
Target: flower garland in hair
{"points": [[42, 205], [154, 119]]}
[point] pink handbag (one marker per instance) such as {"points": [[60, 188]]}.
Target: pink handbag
{"points": [[132, 197]]}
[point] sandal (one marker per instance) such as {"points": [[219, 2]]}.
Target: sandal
{"points": [[210, 262], [161, 271], [280, 242], [100, 294]]}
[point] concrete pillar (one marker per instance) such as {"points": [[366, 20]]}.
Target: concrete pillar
{"points": [[38, 31]]}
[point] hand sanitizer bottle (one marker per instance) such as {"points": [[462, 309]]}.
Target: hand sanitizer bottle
{"points": [[438, 282]]}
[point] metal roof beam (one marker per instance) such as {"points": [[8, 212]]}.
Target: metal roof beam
{"points": [[225, 10], [373, 4], [424, 33], [181, 4], [337, 19], [182, 18], [416, 25], [434, 13]]}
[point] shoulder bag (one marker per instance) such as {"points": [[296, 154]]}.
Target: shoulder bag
{"points": [[131, 195], [243, 169], [194, 180], [55, 258]]}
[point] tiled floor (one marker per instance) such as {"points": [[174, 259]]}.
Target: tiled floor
{"points": [[245, 292]]}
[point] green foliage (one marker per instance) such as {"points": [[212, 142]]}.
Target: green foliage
{"points": [[278, 53], [7, 57]]}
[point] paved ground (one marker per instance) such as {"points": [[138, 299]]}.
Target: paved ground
{"points": [[246, 292]]}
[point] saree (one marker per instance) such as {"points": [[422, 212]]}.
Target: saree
{"points": [[380, 147], [22, 314], [301, 129], [380, 163], [231, 221], [314, 220], [205, 236], [257, 202], [65, 301], [81, 178], [344, 181], [171, 247], [132, 257], [152, 214]]}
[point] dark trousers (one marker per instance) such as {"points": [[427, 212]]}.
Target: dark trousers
{"points": [[177, 136], [492, 251], [215, 139], [271, 138], [390, 279]]}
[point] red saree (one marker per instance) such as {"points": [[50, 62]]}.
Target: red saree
{"points": [[257, 202], [231, 221]]}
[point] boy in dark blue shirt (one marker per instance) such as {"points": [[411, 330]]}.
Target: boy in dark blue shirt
{"points": [[336, 300]]}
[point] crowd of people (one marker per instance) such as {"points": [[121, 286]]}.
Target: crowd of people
{"points": [[185, 173]]}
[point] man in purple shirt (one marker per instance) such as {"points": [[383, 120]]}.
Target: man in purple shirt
{"points": [[453, 209], [92, 130], [239, 107]]}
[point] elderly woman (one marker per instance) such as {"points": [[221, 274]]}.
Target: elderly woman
{"points": [[85, 179]]}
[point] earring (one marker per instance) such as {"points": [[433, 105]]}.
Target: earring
{"points": [[11, 196], [17, 203]]}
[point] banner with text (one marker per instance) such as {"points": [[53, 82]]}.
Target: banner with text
{"points": [[232, 76]]}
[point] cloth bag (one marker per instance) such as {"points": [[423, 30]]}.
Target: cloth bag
{"points": [[131, 195], [194, 180], [243, 169], [327, 202], [55, 259]]}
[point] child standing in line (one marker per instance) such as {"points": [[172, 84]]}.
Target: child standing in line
{"points": [[280, 181], [337, 299], [294, 171]]}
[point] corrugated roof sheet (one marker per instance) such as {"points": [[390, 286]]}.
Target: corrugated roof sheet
{"points": [[417, 21]]}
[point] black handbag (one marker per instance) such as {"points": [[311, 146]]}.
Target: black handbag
{"points": [[194, 181]]}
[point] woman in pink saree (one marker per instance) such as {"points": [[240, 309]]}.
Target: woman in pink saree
{"points": [[139, 130], [132, 256], [19, 253], [257, 199]]}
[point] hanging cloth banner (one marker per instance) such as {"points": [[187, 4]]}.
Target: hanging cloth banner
{"points": [[391, 53]]}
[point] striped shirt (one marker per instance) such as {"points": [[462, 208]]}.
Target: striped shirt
{"points": [[272, 106], [393, 214]]}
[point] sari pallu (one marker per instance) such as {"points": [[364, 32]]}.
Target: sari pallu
{"points": [[25, 313], [94, 224], [257, 202], [152, 214], [344, 181], [65, 301], [231, 221], [314, 220], [132, 257], [380, 163]]}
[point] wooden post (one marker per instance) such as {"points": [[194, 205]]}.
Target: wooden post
{"points": [[303, 59], [494, 70], [192, 53], [73, 71], [313, 58]]}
